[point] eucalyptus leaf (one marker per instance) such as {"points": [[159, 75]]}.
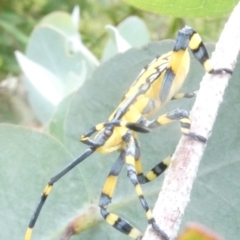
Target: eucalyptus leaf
{"points": [[41, 79], [120, 43], [55, 47], [60, 22], [28, 158], [68, 26], [56, 124], [52, 51], [130, 32], [76, 17]]}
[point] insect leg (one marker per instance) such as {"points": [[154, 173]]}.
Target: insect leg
{"points": [[48, 189], [133, 126], [132, 174], [105, 131], [154, 172], [200, 52], [106, 196], [94, 129], [177, 114]]}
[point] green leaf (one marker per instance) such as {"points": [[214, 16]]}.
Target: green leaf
{"points": [[47, 84], [57, 63], [46, 91], [135, 31], [28, 159], [66, 25], [60, 22], [120, 42], [184, 9], [56, 124], [75, 16], [7, 113], [14, 31], [124, 36]]}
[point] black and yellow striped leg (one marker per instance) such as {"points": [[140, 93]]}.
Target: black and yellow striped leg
{"points": [[154, 172], [200, 52], [48, 189], [187, 37], [110, 184], [106, 196], [107, 128], [185, 123], [132, 174], [104, 135], [144, 125]]}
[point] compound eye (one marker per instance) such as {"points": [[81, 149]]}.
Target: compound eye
{"points": [[107, 132]]}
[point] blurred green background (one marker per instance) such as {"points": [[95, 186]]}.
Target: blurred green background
{"points": [[18, 19]]}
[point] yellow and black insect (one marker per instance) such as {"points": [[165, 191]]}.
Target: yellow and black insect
{"points": [[157, 83]]}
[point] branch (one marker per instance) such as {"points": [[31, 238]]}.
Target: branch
{"points": [[176, 189]]}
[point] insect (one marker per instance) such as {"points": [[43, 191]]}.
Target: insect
{"points": [[157, 83]]}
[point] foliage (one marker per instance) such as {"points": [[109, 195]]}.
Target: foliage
{"points": [[185, 9], [16, 25], [58, 56], [57, 62]]}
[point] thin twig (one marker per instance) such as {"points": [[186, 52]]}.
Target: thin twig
{"points": [[176, 189]]}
